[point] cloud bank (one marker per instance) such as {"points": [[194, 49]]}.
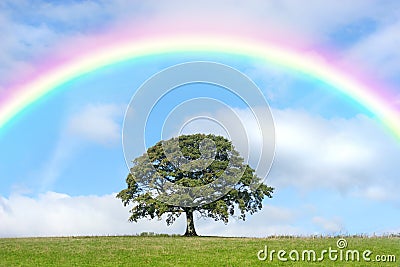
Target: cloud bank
{"points": [[349, 156], [55, 214]]}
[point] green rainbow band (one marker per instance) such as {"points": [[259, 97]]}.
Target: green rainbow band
{"points": [[122, 51]]}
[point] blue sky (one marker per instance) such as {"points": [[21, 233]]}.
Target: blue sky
{"points": [[336, 168]]}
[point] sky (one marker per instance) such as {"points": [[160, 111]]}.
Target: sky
{"points": [[336, 166]]}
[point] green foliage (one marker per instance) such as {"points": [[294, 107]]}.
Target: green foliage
{"points": [[154, 169]]}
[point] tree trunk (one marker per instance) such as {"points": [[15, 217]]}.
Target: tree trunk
{"points": [[190, 231]]}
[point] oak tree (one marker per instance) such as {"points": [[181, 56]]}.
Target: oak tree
{"points": [[221, 184]]}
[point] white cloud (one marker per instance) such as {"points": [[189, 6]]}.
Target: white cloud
{"points": [[73, 14], [35, 30], [343, 154], [97, 123], [379, 51], [307, 22], [330, 226], [33, 33], [22, 44], [378, 192], [55, 214]]}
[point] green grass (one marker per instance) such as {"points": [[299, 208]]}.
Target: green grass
{"points": [[179, 251]]}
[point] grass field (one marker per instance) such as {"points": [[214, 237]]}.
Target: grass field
{"points": [[184, 251]]}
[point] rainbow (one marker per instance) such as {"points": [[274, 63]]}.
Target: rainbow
{"points": [[368, 96]]}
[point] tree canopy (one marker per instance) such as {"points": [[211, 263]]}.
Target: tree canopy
{"points": [[211, 177]]}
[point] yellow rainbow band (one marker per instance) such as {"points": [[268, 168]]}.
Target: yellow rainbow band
{"points": [[311, 65]]}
